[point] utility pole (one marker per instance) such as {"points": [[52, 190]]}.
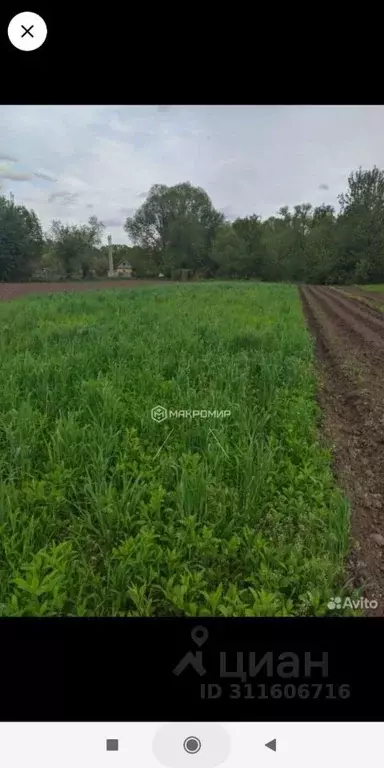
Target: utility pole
{"points": [[110, 256]]}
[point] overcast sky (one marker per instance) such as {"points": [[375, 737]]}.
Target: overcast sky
{"points": [[70, 162]]}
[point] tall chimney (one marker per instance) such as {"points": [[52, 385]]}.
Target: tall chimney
{"points": [[110, 256]]}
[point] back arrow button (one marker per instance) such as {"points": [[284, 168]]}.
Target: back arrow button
{"points": [[272, 745]]}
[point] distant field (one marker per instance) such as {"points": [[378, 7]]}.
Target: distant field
{"points": [[105, 511], [364, 294], [10, 291], [376, 288]]}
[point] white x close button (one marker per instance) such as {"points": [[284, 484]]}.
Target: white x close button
{"points": [[27, 31]]}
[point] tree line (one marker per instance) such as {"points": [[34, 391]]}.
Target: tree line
{"points": [[178, 228]]}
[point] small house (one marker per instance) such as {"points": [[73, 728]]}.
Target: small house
{"points": [[124, 269]]}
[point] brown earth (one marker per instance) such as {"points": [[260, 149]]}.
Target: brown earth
{"points": [[349, 340], [16, 290]]}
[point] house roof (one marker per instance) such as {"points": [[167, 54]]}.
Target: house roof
{"points": [[124, 264]]}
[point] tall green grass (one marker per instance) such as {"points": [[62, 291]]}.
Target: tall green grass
{"points": [[105, 512]]}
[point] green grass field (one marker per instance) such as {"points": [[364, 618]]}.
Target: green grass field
{"points": [[378, 288], [104, 511]]}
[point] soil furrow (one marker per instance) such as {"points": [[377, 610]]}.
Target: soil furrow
{"points": [[354, 426], [350, 319], [372, 318]]}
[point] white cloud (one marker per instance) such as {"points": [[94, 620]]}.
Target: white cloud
{"points": [[10, 158], [44, 175], [8, 173], [249, 159], [113, 222], [63, 198]]}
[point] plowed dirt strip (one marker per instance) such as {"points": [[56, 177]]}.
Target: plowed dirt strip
{"points": [[362, 321], [10, 291], [350, 350]]}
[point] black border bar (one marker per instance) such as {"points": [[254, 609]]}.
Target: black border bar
{"points": [[182, 669]]}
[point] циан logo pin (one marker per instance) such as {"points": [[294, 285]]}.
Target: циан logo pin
{"points": [[199, 636]]}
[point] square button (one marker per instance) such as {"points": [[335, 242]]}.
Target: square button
{"points": [[112, 745]]}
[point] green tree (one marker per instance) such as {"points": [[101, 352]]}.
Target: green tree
{"points": [[176, 225], [229, 253], [142, 262], [361, 227], [275, 231], [76, 247], [297, 241], [250, 232], [21, 240], [322, 251]]}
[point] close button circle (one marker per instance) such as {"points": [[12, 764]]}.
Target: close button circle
{"points": [[27, 31]]}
